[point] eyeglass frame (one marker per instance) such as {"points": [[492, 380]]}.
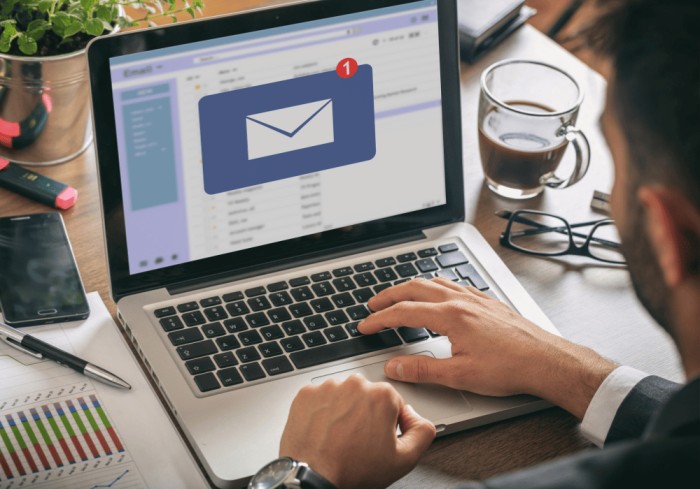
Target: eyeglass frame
{"points": [[573, 249]]}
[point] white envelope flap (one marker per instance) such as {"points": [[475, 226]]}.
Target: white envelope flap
{"points": [[290, 120]]}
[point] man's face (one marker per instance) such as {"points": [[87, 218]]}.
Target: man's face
{"points": [[629, 216]]}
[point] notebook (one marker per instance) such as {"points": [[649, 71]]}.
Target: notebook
{"points": [[262, 176]]}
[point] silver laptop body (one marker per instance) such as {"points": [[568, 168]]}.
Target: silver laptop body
{"points": [[252, 159]]}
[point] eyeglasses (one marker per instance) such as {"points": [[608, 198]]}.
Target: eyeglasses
{"points": [[541, 234]]}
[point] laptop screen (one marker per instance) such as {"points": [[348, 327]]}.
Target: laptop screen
{"points": [[250, 139]]}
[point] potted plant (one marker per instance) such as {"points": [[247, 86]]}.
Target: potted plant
{"points": [[44, 102]]}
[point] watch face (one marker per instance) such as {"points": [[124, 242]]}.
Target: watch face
{"points": [[272, 474]]}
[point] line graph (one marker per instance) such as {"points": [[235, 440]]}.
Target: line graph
{"points": [[99, 486]]}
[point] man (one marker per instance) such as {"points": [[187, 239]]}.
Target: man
{"points": [[650, 427]]}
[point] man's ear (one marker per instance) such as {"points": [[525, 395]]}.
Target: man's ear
{"points": [[673, 227]]}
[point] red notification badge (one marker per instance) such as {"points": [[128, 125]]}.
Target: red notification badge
{"points": [[347, 67]]}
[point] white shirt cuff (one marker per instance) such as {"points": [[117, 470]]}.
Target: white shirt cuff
{"points": [[606, 401]]}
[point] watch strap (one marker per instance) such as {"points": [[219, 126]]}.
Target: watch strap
{"points": [[310, 479]]}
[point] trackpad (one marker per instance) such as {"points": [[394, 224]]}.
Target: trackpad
{"points": [[430, 401]]}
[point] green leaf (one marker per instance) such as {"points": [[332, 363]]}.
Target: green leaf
{"points": [[73, 28], [44, 6], [36, 28], [60, 22], [94, 27], [107, 14], [87, 4], [26, 44]]}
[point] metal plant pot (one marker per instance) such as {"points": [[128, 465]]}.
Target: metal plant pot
{"points": [[44, 108]]}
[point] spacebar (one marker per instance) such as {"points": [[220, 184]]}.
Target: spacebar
{"points": [[344, 349]]}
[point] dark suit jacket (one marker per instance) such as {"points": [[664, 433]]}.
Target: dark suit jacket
{"points": [[654, 442]]}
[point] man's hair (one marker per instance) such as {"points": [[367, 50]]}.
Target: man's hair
{"points": [[654, 46]]}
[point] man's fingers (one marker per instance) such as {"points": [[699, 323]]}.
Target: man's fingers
{"points": [[418, 369], [411, 314], [417, 433], [416, 290]]}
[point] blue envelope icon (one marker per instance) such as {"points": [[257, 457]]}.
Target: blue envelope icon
{"points": [[284, 129]]}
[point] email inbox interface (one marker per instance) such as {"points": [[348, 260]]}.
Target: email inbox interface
{"points": [[285, 129], [256, 138]]}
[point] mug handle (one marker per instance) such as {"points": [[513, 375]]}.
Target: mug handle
{"points": [[583, 158]]}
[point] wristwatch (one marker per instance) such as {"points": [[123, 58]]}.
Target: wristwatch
{"points": [[285, 472]]}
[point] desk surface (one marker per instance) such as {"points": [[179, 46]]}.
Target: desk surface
{"points": [[590, 304]]}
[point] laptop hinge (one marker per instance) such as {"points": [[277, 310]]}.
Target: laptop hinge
{"points": [[338, 252]]}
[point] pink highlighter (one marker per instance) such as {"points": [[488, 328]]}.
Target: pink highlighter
{"points": [[35, 186]]}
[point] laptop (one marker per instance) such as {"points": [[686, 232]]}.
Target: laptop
{"points": [[262, 176]]}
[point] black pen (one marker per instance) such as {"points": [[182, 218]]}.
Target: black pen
{"points": [[39, 349]]}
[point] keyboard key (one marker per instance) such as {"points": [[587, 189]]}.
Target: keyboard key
{"points": [[300, 310], [248, 338], [406, 270], [271, 332], [255, 291], [343, 300], [385, 262], [342, 272], [357, 313], [210, 301], [196, 350], [352, 330], [468, 271], [257, 319], [385, 275], [200, 365], [194, 318], [451, 259], [448, 274], [426, 276], [364, 267], [292, 344], [229, 377], [337, 317], [315, 322], [378, 288], [344, 283], [299, 281], [277, 286], [216, 313], [446, 248], [315, 338], [363, 295], [323, 288], [293, 327], [302, 294], [321, 305], [406, 257], [428, 252], [278, 315], [206, 382], [224, 360], [235, 325], [237, 308], [185, 336], [365, 279], [246, 355], [233, 296], [271, 349], [413, 334], [320, 277], [281, 299], [401, 280], [276, 366], [188, 306], [164, 311], [344, 349], [336, 333], [213, 329], [171, 323], [252, 371], [426, 265], [259, 303], [228, 343]]}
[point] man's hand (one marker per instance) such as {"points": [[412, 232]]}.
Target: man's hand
{"points": [[495, 351], [346, 431]]}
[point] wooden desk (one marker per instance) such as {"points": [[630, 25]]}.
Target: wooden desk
{"points": [[590, 304]]}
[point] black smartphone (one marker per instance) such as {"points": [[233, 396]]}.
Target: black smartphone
{"points": [[39, 280]]}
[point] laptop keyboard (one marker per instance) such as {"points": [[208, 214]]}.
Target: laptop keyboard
{"points": [[249, 335]]}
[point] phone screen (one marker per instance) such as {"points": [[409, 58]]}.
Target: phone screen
{"points": [[39, 281]]}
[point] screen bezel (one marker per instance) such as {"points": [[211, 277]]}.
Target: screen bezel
{"points": [[102, 49]]}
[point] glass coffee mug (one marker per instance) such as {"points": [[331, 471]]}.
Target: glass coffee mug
{"points": [[527, 118]]}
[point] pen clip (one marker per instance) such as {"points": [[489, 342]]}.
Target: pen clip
{"points": [[21, 348]]}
